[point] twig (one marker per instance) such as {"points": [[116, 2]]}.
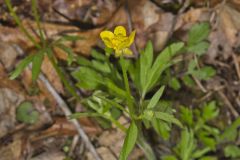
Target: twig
{"points": [[228, 104], [207, 95], [203, 89], [73, 145], [67, 113]]}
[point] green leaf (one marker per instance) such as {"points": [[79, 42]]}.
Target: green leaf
{"points": [[83, 61], [95, 54], [84, 114], [232, 151], [103, 122], [187, 144], [134, 71], [129, 142], [174, 84], [199, 48], [125, 63], [169, 157], [115, 89], [161, 127], [191, 66], [20, 67], [186, 115], [26, 113], [200, 153], [155, 99], [146, 59], [108, 51], [95, 105], [116, 113], [149, 114], [100, 66], [204, 73], [68, 51], [198, 33], [188, 81], [71, 37], [208, 158], [207, 139], [88, 78], [160, 64], [113, 103], [231, 132], [168, 118], [210, 111], [36, 65]]}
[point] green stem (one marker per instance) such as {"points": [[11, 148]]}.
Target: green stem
{"points": [[141, 107], [18, 21], [126, 83], [37, 18]]}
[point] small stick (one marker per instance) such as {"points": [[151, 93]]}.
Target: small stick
{"points": [[67, 113], [199, 84], [73, 145], [228, 103]]}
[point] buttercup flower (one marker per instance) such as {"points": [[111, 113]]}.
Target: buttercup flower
{"points": [[118, 40]]}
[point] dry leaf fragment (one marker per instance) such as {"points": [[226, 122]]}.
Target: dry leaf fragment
{"points": [[105, 153], [52, 75], [225, 35], [51, 155]]}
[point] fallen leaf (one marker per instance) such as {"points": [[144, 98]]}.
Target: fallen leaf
{"points": [[62, 127], [12, 150], [225, 32], [50, 155], [104, 152], [52, 75], [8, 55], [9, 99]]}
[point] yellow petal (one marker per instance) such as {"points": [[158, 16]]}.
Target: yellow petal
{"points": [[107, 38], [131, 38], [118, 53], [121, 42], [120, 31], [127, 51]]}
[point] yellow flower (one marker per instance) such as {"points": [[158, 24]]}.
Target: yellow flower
{"points": [[118, 40]]}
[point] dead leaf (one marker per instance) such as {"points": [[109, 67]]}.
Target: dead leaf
{"points": [[51, 155], [114, 140], [63, 127], [90, 37], [225, 32], [9, 100], [104, 152], [8, 55], [52, 75], [12, 150]]}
